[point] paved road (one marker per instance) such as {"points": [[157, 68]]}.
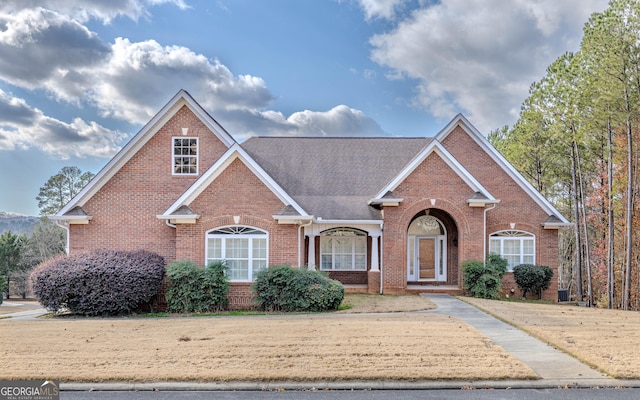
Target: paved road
{"points": [[515, 394]]}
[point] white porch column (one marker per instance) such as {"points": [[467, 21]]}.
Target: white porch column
{"points": [[375, 264], [311, 264]]}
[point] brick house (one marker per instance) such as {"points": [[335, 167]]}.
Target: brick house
{"points": [[382, 215]]}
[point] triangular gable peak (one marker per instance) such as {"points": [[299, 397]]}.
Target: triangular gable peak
{"points": [[181, 99], [437, 148], [236, 152], [461, 121]]}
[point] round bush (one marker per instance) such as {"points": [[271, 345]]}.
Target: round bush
{"points": [[102, 282], [532, 278], [195, 289], [484, 280], [282, 288]]}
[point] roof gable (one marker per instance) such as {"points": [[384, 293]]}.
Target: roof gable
{"points": [[181, 99], [437, 148], [235, 152], [461, 121]]}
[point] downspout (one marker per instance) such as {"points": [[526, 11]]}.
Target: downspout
{"points": [[300, 226], [65, 226], [484, 236], [381, 248]]}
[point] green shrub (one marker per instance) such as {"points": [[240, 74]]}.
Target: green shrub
{"points": [[282, 288], [484, 281], [532, 279], [103, 282], [195, 289]]}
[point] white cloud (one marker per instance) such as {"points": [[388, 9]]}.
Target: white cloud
{"points": [[480, 57], [24, 127], [84, 10], [128, 81], [39, 47], [338, 121], [379, 8], [139, 77]]}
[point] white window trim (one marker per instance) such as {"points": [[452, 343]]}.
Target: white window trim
{"points": [[249, 236], [173, 156], [522, 236], [359, 234]]}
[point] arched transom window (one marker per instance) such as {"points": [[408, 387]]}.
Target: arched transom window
{"points": [[243, 248], [426, 225], [343, 249], [517, 247]]}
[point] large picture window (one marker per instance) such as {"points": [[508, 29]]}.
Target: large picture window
{"points": [[517, 247], [243, 248], [185, 156], [343, 249]]}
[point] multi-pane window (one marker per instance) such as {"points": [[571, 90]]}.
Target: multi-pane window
{"points": [[185, 156], [343, 249], [242, 248], [517, 247]]}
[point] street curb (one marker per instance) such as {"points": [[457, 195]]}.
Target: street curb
{"points": [[348, 385]]}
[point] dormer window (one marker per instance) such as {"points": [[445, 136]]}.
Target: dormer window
{"points": [[185, 156]]}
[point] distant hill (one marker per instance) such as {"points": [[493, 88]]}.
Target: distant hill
{"points": [[16, 223]]}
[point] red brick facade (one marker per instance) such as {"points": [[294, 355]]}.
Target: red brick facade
{"points": [[126, 206], [516, 207], [142, 188]]}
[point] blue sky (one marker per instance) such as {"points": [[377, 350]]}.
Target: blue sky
{"points": [[80, 78]]}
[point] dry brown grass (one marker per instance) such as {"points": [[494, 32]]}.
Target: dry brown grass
{"points": [[372, 303], [315, 347], [605, 339]]}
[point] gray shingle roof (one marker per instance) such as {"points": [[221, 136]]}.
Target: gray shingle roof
{"points": [[479, 196], [289, 211], [183, 210], [76, 211], [334, 178]]}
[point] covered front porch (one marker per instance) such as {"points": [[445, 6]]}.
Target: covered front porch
{"points": [[348, 252]]}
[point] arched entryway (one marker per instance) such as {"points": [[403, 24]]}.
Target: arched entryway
{"points": [[432, 248]]}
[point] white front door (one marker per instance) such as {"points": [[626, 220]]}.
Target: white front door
{"points": [[427, 259]]}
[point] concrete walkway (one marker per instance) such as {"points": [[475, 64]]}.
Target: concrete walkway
{"points": [[33, 314], [551, 365]]}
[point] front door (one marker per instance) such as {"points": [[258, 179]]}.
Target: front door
{"points": [[427, 258], [428, 261]]}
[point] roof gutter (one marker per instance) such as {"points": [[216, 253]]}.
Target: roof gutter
{"points": [[64, 225], [484, 236], [381, 261]]}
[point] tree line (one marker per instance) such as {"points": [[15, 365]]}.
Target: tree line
{"points": [[576, 140], [19, 254]]}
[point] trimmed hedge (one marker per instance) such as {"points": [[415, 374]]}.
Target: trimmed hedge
{"points": [[103, 282], [532, 278], [195, 289], [282, 288], [484, 281]]}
